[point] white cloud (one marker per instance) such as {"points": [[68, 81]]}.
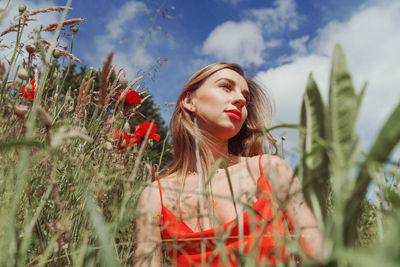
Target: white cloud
{"points": [[283, 16], [239, 42], [299, 44], [126, 13], [119, 32], [370, 39], [232, 2], [244, 42], [28, 36]]}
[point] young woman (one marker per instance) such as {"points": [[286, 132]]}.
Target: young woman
{"points": [[210, 219]]}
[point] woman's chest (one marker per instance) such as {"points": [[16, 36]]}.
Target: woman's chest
{"points": [[220, 202]]}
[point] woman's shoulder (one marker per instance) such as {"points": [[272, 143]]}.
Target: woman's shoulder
{"points": [[274, 163], [150, 198], [265, 161]]}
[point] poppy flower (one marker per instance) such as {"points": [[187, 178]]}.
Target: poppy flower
{"points": [[119, 136], [131, 98], [141, 130], [32, 92]]}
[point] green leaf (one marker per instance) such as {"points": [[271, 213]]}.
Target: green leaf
{"points": [[344, 106], [313, 169], [388, 138], [102, 232]]}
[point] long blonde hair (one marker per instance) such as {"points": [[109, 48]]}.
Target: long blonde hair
{"points": [[250, 140]]}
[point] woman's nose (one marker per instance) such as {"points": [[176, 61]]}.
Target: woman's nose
{"points": [[239, 100]]}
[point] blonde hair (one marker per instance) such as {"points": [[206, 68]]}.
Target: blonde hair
{"points": [[250, 140]]}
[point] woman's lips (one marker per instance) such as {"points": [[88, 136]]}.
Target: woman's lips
{"points": [[234, 114]]}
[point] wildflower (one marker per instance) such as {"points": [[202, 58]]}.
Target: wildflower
{"points": [[141, 130], [28, 91], [122, 139], [131, 98]]}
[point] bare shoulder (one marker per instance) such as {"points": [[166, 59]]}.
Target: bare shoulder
{"points": [[268, 163], [150, 200], [273, 164], [280, 175]]}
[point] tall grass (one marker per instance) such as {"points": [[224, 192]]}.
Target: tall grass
{"points": [[68, 196]]}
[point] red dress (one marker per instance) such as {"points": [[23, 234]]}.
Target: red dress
{"points": [[263, 235]]}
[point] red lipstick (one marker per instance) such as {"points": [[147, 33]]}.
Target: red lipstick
{"points": [[234, 114]]}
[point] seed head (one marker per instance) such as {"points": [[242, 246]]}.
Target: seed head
{"points": [[108, 145], [21, 8], [124, 83], [31, 48], [56, 53], [65, 47], [22, 73], [127, 127], [75, 29]]}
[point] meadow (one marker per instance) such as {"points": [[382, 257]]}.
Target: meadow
{"points": [[78, 148]]}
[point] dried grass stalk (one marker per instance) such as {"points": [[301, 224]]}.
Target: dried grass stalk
{"points": [[71, 56], [67, 97], [52, 27], [81, 89], [111, 94], [85, 97], [2, 70], [104, 79], [50, 9], [12, 28]]}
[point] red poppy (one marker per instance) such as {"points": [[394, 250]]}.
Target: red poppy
{"points": [[131, 98], [119, 136], [141, 130], [32, 92]]}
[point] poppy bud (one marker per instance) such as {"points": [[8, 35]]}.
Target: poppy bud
{"points": [[22, 73], [31, 48], [21, 8], [127, 127], [56, 53], [124, 83], [75, 29], [108, 146], [44, 117], [21, 110]]}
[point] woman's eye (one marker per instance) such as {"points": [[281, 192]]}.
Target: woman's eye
{"points": [[226, 87]]}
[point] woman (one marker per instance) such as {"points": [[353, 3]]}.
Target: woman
{"points": [[221, 114]]}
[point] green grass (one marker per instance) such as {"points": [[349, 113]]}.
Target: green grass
{"points": [[68, 196]]}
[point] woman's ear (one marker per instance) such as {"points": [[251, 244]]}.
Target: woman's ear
{"points": [[187, 102]]}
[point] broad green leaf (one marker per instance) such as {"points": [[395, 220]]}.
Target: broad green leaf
{"points": [[388, 138], [313, 170], [344, 105]]}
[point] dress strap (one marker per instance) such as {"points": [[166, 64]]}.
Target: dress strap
{"points": [[260, 166], [159, 186]]}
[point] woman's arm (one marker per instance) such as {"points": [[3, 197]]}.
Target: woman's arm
{"points": [[298, 213], [148, 238]]}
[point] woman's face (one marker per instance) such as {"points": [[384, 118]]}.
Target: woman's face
{"points": [[220, 104]]}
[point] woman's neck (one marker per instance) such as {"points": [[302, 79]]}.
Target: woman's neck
{"points": [[220, 150]]}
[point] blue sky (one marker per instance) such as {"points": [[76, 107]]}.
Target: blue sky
{"points": [[278, 41]]}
